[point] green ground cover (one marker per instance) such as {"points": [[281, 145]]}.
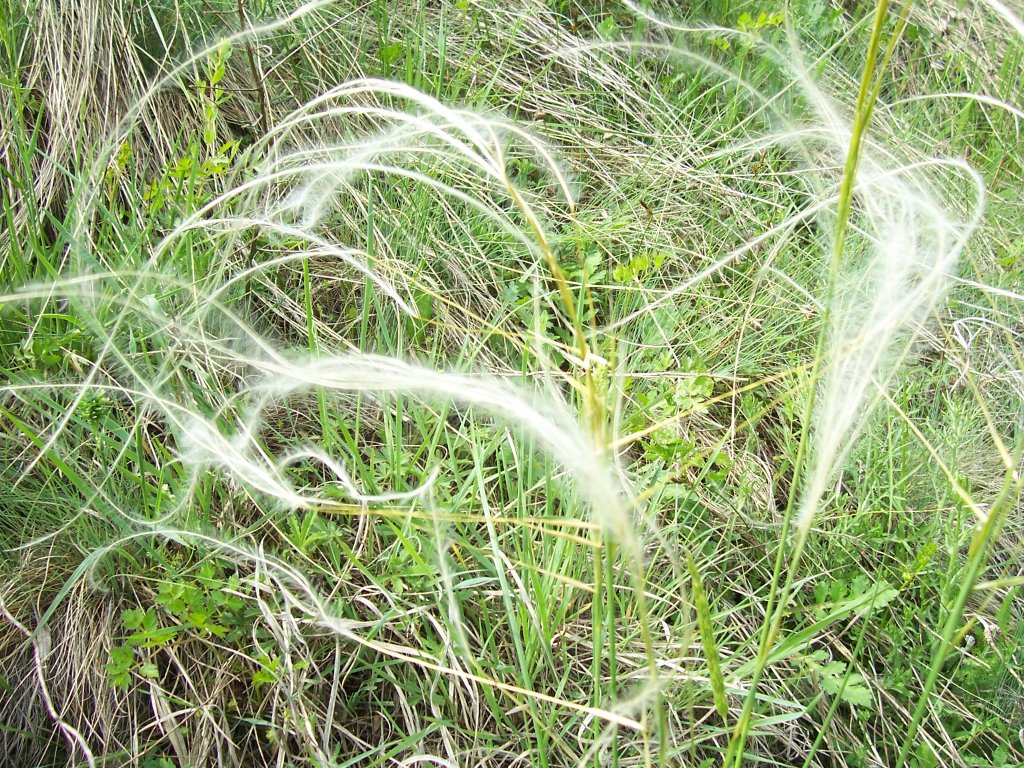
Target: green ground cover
{"points": [[538, 382]]}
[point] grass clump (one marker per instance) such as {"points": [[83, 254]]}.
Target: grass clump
{"points": [[549, 383]]}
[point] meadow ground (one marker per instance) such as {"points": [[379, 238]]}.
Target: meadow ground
{"points": [[536, 382]]}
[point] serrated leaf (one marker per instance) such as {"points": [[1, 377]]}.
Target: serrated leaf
{"points": [[832, 676], [857, 693], [132, 618], [832, 669], [151, 638], [119, 678], [121, 655]]}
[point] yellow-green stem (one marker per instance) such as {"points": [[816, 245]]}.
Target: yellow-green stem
{"points": [[777, 599]]}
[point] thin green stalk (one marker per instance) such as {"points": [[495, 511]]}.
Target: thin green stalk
{"points": [[597, 630], [613, 672], [775, 608], [594, 409], [976, 557]]}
